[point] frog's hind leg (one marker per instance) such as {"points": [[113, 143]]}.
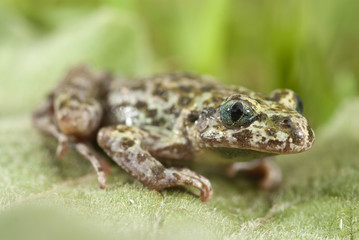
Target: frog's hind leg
{"points": [[127, 147], [43, 121], [72, 114], [266, 169]]}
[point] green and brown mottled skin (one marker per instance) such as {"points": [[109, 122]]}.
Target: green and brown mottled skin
{"points": [[171, 117]]}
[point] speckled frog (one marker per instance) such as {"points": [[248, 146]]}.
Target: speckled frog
{"points": [[143, 124]]}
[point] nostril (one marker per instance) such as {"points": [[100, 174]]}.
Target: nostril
{"points": [[286, 122]]}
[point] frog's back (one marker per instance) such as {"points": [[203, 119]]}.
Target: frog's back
{"points": [[158, 101]]}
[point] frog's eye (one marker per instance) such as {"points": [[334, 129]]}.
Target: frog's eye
{"points": [[235, 113], [299, 105]]}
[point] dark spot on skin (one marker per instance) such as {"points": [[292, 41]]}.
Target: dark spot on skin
{"points": [[207, 112], [185, 89], [158, 122], [263, 139], [206, 88], [260, 101], [141, 157], [279, 95], [167, 111], [158, 172], [179, 76], [73, 107], [184, 101], [126, 142], [193, 116], [262, 117], [243, 136], [188, 182], [310, 133], [123, 129], [63, 104], [74, 97], [274, 143], [297, 140], [118, 106], [172, 110], [119, 156], [276, 119], [276, 109], [287, 146], [141, 86], [76, 86], [216, 99], [151, 113], [141, 105], [286, 122], [296, 137], [189, 75], [271, 132], [160, 91], [223, 140], [141, 175]]}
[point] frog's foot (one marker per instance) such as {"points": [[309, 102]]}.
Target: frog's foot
{"points": [[127, 147], [185, 177], [268, 171]]}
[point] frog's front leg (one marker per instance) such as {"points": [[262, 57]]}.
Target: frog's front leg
{"points": [[129, 148], [268, 171]]}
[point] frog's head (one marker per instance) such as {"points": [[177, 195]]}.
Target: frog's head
{"points": [[274, 124]]}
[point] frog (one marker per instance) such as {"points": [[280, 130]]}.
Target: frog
{"points": [[153, 127]]}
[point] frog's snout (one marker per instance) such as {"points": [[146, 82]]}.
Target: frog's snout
{"points": [[301, 137], [288, 134]]}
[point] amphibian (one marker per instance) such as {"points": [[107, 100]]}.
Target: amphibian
{"points": [[174, 118]]}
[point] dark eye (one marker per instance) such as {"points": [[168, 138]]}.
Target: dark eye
{"points": [[299, 106], [236, 111], [235, 114]]}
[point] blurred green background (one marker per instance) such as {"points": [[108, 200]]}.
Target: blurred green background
{"points": [[309, 46]]}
